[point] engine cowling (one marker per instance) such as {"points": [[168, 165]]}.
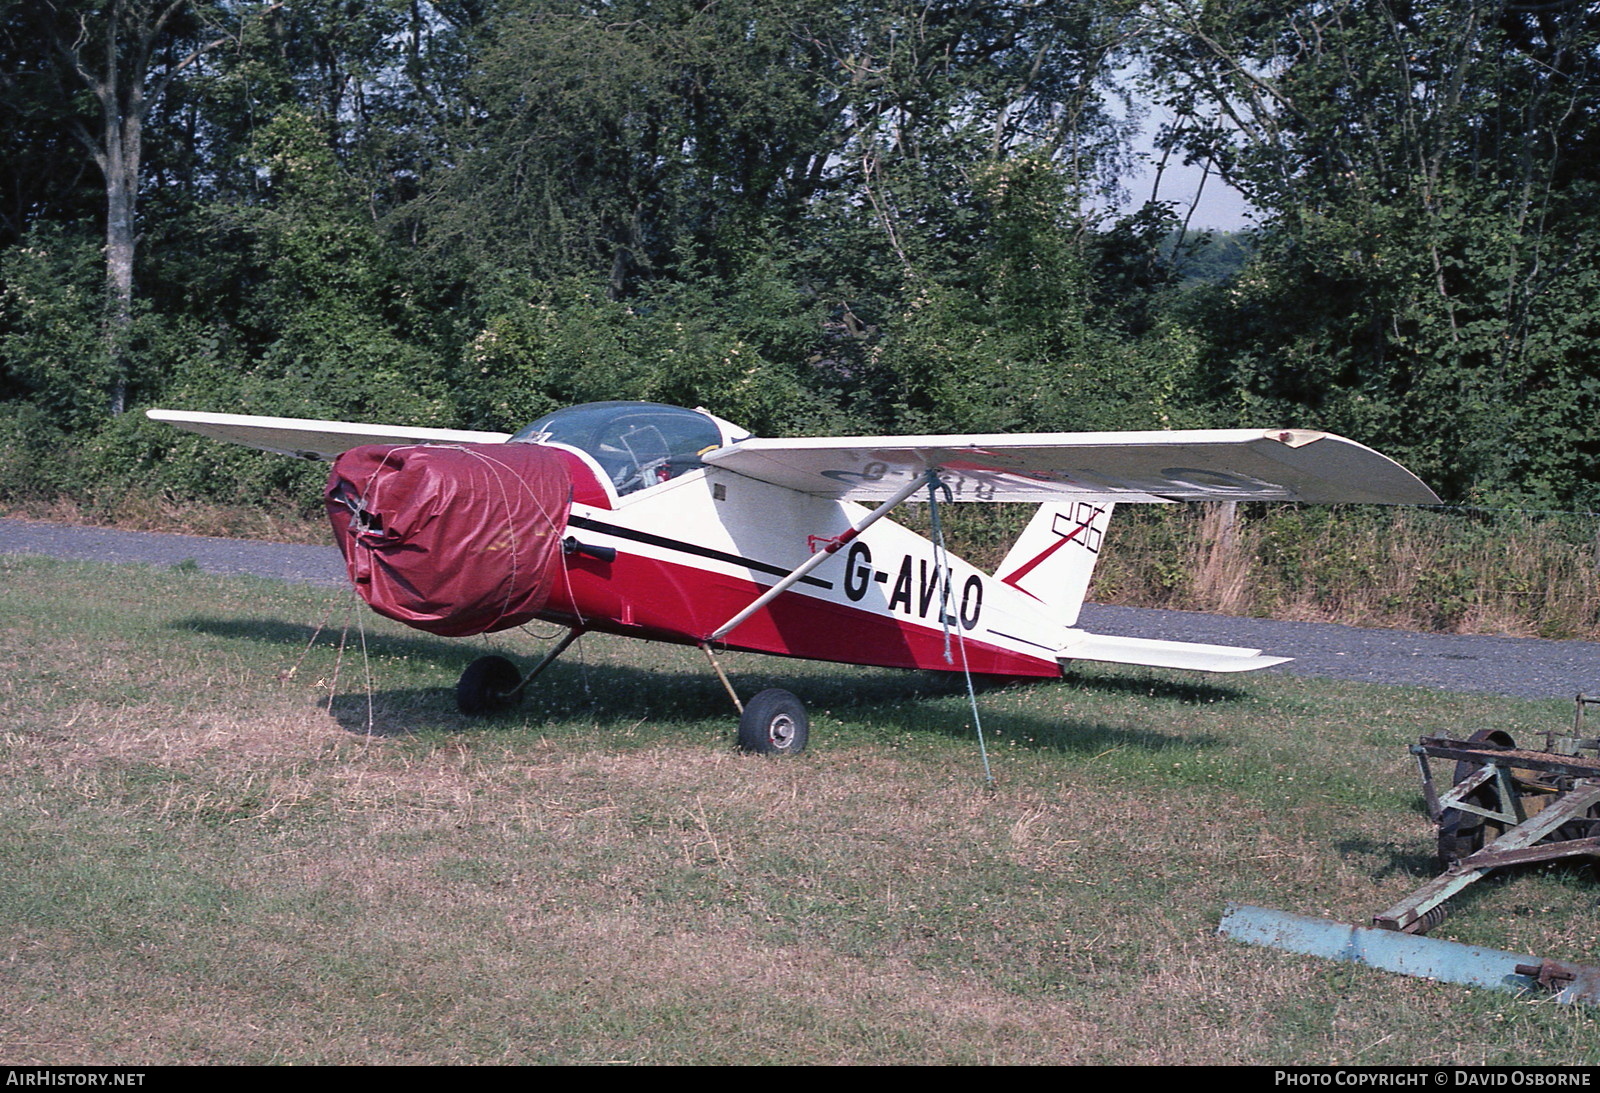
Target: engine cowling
{"points": [[453, 539]]}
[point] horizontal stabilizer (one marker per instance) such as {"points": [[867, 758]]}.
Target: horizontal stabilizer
{"points": [[309, 439], [1152, 653]]}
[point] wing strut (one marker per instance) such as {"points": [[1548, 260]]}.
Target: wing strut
{"points": [[930, 477]]}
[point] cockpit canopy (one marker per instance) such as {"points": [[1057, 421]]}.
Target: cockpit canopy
{"points": [[637, 444]]}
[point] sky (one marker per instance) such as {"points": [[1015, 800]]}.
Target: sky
{"points": [[1221, 207]]}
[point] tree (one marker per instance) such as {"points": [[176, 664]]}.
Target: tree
{"points": [[43, 173], [625, 139], [124, 56], [1429, 172], [646, 147]]}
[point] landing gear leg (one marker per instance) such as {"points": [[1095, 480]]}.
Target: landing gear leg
{"points": [[717, 668]]}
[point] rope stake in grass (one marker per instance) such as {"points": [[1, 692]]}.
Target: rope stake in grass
{"points": [[366, 663], [941, 558]]}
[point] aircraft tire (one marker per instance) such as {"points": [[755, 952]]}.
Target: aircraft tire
{"points": [[774, 723], [486, 685]]}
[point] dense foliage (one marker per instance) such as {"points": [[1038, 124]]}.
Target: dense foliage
{"points": [[1428, 269], [805, 215]]}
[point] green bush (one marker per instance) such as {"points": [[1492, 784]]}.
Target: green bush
{"points": [[36, 461]]}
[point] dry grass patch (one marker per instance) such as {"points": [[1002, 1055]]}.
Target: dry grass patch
{"points": [[789, 1003], [205, 861]]}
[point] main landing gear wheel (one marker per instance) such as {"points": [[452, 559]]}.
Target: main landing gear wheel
{"points": [[489, 684], [1464, 833], [774, 723]]}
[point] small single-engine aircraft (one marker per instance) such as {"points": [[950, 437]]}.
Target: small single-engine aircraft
{"points": [[674, 525]]}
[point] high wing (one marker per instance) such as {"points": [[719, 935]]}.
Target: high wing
{"points": [[309, 439], [1194, 465]]}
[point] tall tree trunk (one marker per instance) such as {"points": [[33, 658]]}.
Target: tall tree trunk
{"points": [[108, 51], [121, 166]]}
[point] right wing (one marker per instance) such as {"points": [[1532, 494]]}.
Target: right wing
{"points": [[310, 439], [1195, 465]]}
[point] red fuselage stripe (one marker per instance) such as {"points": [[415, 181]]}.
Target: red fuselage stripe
{"points": [[669, 601]]}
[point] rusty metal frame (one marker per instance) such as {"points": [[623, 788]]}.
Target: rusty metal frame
{"points": [[1570, 781], [1574, 781], [1516, 846]]}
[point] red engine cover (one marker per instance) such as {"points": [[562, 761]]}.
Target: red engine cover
{"points": [[452, 539]]}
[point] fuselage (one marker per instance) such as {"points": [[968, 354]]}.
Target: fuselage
{"points": [[693, 551]]}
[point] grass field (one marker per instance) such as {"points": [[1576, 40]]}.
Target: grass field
{"points": [[218, 844]]}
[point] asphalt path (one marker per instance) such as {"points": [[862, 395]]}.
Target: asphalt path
{"points": [[1525, 667]]}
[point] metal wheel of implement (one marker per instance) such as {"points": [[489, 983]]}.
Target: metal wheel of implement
{"points": [[489, 684], [1584, 828], [1464, 833], [774, 723]]}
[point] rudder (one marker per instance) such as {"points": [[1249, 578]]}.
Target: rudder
{"points": [[1053, 559]]}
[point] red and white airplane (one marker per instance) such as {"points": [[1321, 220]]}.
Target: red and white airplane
{"points": [[674, 525]]}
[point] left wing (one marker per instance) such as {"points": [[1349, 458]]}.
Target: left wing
{"points": [[1193, 465], [310, 439]]}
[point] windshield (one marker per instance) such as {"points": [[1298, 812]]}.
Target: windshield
{"points": [[637, 444]]}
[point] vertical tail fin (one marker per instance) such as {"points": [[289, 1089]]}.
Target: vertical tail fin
{"points": [[1054, 558]]}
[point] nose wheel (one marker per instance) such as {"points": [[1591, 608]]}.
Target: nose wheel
{"points": [[489, 684], [493, 683]]}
